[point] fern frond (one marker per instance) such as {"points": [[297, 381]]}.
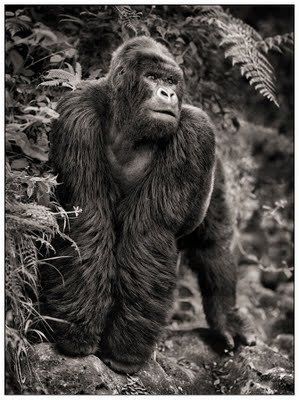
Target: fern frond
{"points": [[17, 24], [277, 43], [71, 78], [78, 71], [244, 46], [216, 14], [59, 74], [128, 18], [55, 82]]}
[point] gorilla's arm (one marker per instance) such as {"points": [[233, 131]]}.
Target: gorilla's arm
{"points": [[172, 198], [77, 144], [208, 251], [79, 285]]}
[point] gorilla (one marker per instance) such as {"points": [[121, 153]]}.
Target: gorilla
{"points": [[142, 166]]}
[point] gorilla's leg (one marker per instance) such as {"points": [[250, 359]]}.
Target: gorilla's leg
{"points": [[77, 285], [144, 295], [208, 251]]}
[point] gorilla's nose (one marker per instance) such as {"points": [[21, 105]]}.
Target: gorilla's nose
{"points": [[167, 95]]}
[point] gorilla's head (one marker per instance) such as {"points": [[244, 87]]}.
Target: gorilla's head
{"points": [[148, 87]]}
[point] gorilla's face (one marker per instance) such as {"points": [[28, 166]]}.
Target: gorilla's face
{"points": [[163, 102], [149, 90]]}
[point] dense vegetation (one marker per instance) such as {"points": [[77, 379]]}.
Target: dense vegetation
{"points": [[240, 73]]}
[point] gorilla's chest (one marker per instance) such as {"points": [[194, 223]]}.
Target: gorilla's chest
{"points": [[129, 168]]}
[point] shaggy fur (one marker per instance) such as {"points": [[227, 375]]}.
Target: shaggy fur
{"points": [[116, 295]]}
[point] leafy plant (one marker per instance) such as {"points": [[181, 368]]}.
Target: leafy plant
{"points": [[69, 78], [16, 22], [245, 47], [278, 43], [29, 226], [128, 18]]}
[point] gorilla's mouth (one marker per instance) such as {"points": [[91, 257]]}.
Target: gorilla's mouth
{"points": [[166, 112]]}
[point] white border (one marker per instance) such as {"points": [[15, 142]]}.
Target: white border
{"points": [[2, 163]]}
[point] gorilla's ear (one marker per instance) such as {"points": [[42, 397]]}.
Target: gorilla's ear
{"points": [[115, 76]]}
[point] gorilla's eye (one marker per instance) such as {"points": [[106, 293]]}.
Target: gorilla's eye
{"points": [[152, 77], [171, 81]]}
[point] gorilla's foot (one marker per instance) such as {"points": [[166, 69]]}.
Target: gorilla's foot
{"points": [[247, 339], [77, 346], [121, 367], [241, 326]]}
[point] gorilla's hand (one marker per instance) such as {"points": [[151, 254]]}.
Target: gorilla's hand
{"points": [[237, 327]]}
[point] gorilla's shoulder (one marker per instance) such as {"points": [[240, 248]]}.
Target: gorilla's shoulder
{"points": [[196, 121], [91, 93], [93, 85], [197, 115]]}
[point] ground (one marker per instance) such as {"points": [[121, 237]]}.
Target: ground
{"points": [[189, 359]]}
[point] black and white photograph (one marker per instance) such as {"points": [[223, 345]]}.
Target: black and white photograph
{"points": [[149, 199]]}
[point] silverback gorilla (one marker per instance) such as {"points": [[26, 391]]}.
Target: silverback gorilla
{"points": [[141, 165]]}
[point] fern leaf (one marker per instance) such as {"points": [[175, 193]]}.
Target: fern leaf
{"points": [[59, 74], [56, 82], [128, 18], [232, 39], [71, 69], [69, 78], [243, 45], [78, 71], [277, 43], [16, 25]]}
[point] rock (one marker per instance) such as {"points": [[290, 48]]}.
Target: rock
{"points": [[285, 342], [271, 278], [281, 326], [286, 289], [285, 292], [257, 370], [58, 374], [53, 373], [271, 311], [249, 370], [268, 299]]}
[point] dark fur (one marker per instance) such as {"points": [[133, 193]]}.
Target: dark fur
{"points": [[116, 296]]}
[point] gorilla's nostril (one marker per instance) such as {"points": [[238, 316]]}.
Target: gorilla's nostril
{"points": [[163, 93]]}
